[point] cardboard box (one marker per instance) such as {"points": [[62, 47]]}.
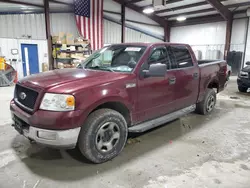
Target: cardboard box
{"points": [[62, 37], [55, 39], [69, 38], [63, 55], [45, 67], [60, 65]]}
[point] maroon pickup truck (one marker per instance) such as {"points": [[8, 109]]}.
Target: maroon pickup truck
{"points": [[119, 89]]}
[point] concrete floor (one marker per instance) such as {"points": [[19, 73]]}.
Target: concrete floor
{"points": [[192, 152]]}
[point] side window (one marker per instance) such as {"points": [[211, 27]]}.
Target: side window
{"points": [[181, 56], [159, 55]]}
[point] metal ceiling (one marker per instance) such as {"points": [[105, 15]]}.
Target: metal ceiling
{"points": [[33, 6], [173, 9], [191, 8]]}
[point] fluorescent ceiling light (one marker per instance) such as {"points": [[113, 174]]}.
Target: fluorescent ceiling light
{"points": [[181, 18], [27, 8], [148, 10]]}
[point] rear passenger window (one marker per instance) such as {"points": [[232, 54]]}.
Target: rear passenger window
{"points": [[181, 56]]}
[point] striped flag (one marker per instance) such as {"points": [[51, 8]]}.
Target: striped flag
{"points": [[89, 19]]}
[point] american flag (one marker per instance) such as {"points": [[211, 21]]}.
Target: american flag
{"points": [[89, 19]]}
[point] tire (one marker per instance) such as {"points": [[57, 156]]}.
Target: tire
{"points": [[98, 140], [207, 105], [242, 89]]}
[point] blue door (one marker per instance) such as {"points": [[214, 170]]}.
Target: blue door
{"points": [[30, 59]]}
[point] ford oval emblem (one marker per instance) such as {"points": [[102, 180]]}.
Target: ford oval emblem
{"points": [[22, 95]]}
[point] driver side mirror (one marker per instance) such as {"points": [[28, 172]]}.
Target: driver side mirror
{"points": [[248, 63], [156, 70]]}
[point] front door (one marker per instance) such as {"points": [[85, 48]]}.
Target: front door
{"points": [[187, 76], [30, 59], [155, 95]]}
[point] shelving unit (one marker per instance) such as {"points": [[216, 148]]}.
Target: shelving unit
{"points": [[68, 58]]}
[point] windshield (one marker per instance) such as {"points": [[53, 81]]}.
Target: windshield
{"points": [[117, 58]]}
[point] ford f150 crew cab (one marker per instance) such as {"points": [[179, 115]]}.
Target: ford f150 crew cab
{"points": [[119, 89]]}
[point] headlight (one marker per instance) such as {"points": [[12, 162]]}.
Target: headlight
{"points": [[243, 74], [58, 102]]}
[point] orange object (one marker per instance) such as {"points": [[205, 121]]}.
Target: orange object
{"points": [[16, 79], [70, 101], [3, 65]]}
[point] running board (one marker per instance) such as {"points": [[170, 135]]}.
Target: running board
{"points": [[142, 127]]}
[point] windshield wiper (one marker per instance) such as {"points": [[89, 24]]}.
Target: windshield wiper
{"points": [[101, 68]]}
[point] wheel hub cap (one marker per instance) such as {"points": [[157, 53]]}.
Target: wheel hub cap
{"points": [[210, 103], [107, 137]]}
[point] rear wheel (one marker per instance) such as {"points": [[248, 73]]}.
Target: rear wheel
{"points": [[207, 105], [242, 89], [103, 136]]}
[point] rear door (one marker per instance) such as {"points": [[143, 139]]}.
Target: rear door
{"points": [[187, 76], [155, 95]]}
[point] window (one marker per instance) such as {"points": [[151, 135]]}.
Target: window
{"points": [[160, 55], [181, 56]]}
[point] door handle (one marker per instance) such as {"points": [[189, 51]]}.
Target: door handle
{"points": [[195, 75], [172, 81]]}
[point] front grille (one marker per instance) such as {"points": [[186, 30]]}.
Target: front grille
{"points": [[25, 97]]}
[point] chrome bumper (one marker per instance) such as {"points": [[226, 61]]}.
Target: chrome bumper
{"points": [[53, 138]]}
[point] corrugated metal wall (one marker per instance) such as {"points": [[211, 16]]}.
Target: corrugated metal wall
{"points": [[63, 22], [248, 46], [17, 25], [135, 36], [112, 34], [203, 38]]}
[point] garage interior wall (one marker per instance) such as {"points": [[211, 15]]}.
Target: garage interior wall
{"points": [[30, 29], [139, 28], [247, 58], [112, 34], [206, 39]]}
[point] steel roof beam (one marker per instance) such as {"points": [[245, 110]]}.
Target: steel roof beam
{"points": [[153, 17], [208, 10], [221, 9], [21, 3]]}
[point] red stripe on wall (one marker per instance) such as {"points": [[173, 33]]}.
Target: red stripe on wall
{"points": [[101, 32], [80, 25], [84, 27], [93, 26], [98, 25]]}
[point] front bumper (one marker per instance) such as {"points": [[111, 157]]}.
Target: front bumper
{"points": [[66, 139], [243, 82], [63, 133]]}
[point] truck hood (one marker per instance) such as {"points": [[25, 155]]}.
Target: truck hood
{"points": [[61, 77], [246, 69]]}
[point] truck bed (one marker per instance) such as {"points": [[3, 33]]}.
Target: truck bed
{"points": [[211, 69], [202, 62]]}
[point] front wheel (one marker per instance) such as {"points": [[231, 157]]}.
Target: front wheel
{"points": [[103, 135], [242, 89], [207, 105]]}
